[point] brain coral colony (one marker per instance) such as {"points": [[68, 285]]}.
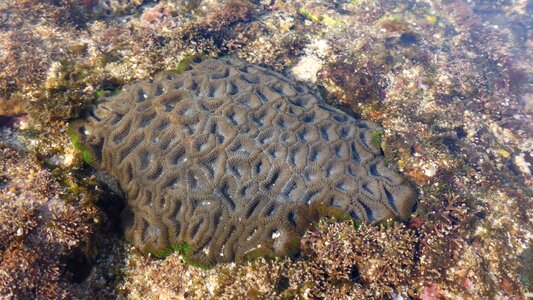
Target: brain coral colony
{"points": [[226, 160]]}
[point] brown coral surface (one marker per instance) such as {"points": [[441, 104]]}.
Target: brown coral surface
{"points": [[230, 160], [448, 80]]}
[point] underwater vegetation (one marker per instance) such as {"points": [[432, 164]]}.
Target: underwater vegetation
{"points": [[448, 81], [42, 231], [337, 261]]}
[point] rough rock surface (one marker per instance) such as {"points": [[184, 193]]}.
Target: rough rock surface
{"points": [[228, 160]]}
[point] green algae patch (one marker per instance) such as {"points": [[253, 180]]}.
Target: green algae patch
{"points": [[193, 263], [106, 92], [376, 138], [388, 222], [183, 249], [325, 20], [431, 19], [76, 140], [88, 157], [329, 21], [188, 60], [308, 15], [184, 63], [335, 213]]}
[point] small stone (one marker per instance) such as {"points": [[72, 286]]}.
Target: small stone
{"points": [[430, 170]]}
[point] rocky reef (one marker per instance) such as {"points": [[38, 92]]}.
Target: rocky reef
{"points": [[449, 82], [43, 229]]}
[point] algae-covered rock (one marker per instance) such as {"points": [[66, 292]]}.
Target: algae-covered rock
{"points": [[228, 160]]}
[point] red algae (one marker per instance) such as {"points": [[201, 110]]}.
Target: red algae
{"points": [[39, 230], [446, 80]]}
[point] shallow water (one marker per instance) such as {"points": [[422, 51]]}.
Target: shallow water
{"points": [[449, 82]]}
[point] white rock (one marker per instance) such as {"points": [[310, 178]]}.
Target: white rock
{"points": [[307, 68], [522, 164], [430, 170]]}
